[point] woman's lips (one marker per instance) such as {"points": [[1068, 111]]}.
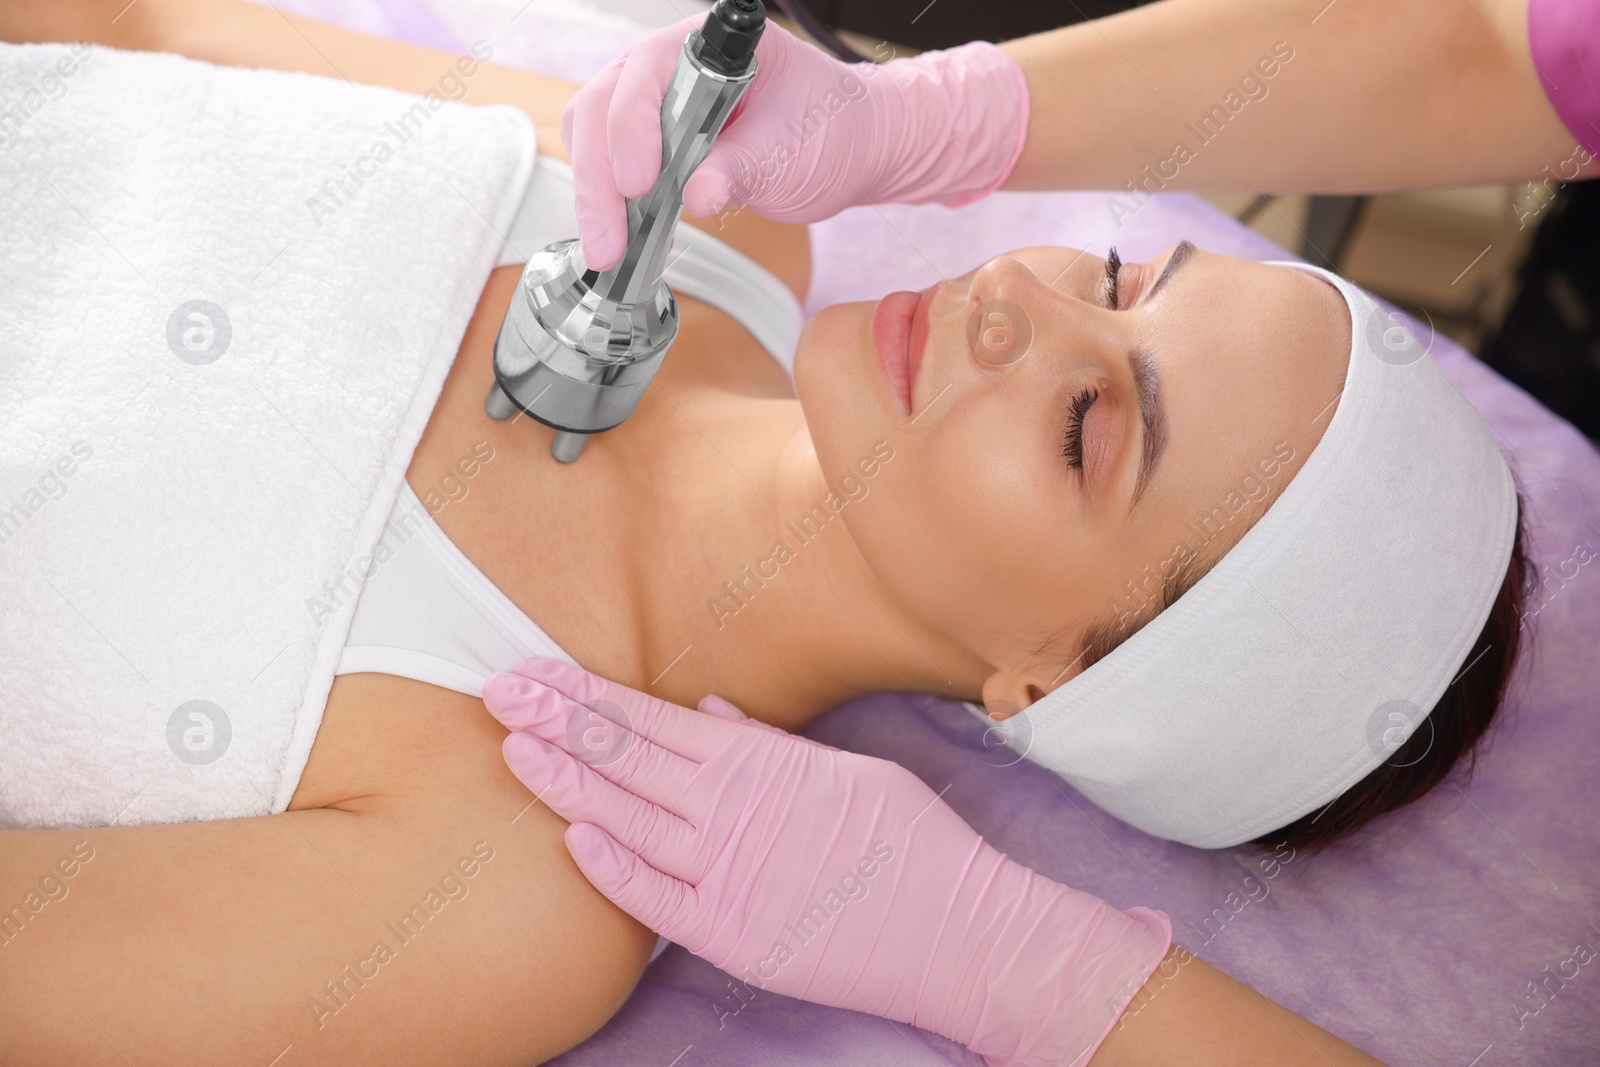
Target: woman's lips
{"points": [[900, 330]]}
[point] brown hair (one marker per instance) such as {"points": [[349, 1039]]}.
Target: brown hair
{"points": [[1455, 724]]}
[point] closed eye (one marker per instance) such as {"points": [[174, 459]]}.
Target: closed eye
{"points": [[1072, 444], [1113, 265]]}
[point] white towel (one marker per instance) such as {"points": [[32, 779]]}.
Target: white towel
{"points": [[177, 484]]}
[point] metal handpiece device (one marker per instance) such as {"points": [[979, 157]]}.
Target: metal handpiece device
{"points": [[578, 348]]}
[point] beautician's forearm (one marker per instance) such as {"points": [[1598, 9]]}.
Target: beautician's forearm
{"points": [[1189, 1014], [1378, 96]]}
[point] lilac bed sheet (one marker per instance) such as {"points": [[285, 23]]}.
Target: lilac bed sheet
{"points": [[1448, 934]]}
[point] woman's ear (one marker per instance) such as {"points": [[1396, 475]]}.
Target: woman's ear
{"points": [[1006, 692]]}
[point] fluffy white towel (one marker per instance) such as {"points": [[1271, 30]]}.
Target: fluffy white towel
{"points": [[230, 300]]}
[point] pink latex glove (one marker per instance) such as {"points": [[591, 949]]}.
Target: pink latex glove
{"points": [[811, 136], [825, 875]]}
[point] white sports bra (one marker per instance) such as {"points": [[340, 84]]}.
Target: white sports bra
{"points": [[425, 612]]}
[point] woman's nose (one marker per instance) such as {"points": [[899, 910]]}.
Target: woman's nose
{"points": [[1013, 311]]}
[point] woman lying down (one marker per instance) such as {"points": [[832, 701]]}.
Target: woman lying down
{"points": [[1228, 537]]}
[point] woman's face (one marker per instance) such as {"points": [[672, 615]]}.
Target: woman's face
{"points": [[1059, 453]]}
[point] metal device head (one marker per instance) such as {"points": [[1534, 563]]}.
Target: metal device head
{"points": [[579, 348]]}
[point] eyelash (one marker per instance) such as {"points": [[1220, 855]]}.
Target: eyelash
{"points": [[1072, 443], [1072, 446]]}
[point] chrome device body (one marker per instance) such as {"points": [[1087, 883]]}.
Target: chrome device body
{"points": [[579, 348]]}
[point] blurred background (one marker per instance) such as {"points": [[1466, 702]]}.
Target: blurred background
{"points": [[1512, 272]]}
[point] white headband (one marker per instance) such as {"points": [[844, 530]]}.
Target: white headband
{"points": [[1312, 649]]}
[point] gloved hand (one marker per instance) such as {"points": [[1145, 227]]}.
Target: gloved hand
{"points": [[810, 137], [825, 875]]}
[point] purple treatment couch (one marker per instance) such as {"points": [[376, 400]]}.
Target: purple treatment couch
{"points": [[1438, 936]]}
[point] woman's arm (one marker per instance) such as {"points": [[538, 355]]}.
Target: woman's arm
{"points": [[435, 918], [1288, 96], [235, 33]]}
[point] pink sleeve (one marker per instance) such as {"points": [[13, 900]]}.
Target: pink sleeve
{"points": [[1564, 36]]}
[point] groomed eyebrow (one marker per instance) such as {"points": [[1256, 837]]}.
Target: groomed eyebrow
{"points": [[1147, 383], [1153, 417], [1180, 256]]}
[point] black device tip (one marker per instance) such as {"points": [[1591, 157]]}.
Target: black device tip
{"points": [[728, 37]]}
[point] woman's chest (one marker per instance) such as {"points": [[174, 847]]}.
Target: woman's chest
{"points": [[565, 542]]}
